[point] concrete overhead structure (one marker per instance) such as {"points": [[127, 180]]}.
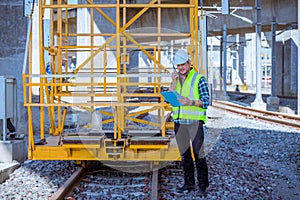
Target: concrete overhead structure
{"points": [[238, 22], [242, 12]]}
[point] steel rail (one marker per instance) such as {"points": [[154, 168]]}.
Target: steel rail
{"points": [[68, 185], [154, 186], [280, 118]]}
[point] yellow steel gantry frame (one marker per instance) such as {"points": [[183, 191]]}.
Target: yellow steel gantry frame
{"points": [[55, 94]]}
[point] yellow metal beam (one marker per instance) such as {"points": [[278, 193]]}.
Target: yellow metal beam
{"points": [[91, 152]]}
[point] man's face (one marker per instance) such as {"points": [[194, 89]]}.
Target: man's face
{"points": [[184, 68]]}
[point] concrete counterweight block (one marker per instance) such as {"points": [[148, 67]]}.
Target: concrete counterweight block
{"points": [[13, 150]]}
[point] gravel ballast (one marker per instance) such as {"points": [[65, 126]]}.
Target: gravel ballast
{"points": [[247, 159]]}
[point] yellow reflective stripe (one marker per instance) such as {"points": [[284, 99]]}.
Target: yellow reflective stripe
{"points": [[191, 95], [190, 112]]}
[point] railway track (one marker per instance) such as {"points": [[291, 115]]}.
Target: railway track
{"points": [[69, 184], [100, 181], [269, 116], [105, 182]]}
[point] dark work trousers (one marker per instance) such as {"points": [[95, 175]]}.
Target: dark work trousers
{"points": [[184, 134]]}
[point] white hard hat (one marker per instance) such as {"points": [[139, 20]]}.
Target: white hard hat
{"points": [[181, 57], [73, 57]]}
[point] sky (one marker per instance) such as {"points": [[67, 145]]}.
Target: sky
{"points": [[72, 1]]}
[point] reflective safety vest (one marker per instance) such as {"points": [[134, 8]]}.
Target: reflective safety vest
{"points": [[190, 90]]}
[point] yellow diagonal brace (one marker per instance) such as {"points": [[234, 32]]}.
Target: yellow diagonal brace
{"points": [[145, 51], [94, 54], [143, 121], [111, 39], [136, 17], [142, 112], [106, 113], [103, 14]]}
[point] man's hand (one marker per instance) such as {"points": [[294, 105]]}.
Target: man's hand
{"points": [[175, 76], [185, 101]]}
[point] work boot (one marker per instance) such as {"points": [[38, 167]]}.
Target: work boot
{"points": [[202, 191], [202, 172], [185, 188]]}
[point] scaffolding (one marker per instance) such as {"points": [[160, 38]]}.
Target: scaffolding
{"points": [[124, 62]]}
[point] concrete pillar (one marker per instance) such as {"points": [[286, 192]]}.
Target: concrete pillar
{"points": [[258, 102], [13, 150], [249, 59], [273, 100], [224, 95], [12, 48], [298, 58], [35, 51], [202, 35], [236, 79], [241, 53], [221, 64], [279, 68]]}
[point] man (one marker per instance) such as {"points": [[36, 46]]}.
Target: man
{"points": [[189, 119]]}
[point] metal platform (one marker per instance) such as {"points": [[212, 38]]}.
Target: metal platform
{"points": [[81, 147]]}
